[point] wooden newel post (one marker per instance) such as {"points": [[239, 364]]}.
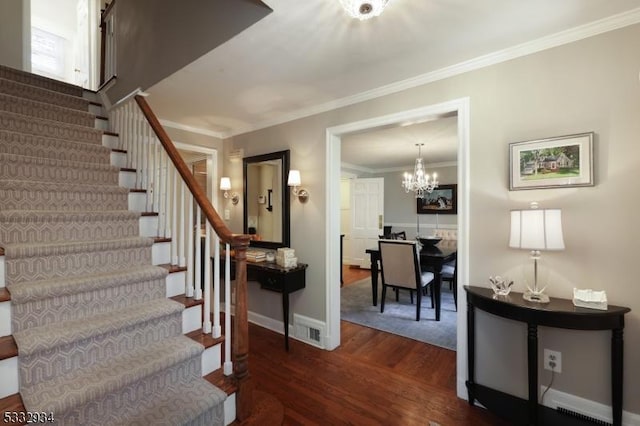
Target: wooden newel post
{"points": [[240, 340]]}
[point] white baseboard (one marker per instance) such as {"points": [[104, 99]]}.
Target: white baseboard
{"points": [[10, 376], [554, 399], [278, 327]]}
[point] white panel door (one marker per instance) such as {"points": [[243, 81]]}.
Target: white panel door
{"points": [[81, 44], [367, 217]]}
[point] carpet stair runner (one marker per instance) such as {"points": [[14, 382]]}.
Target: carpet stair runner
{"points": [[98, 341]]}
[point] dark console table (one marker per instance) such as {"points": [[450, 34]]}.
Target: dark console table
{"points": [[559, 313], [276, 278]]}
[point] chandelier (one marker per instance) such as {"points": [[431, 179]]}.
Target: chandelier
{"points": [[364, 9], [419, 182]]}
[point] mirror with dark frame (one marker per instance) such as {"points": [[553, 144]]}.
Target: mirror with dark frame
{"points": [[267, 199]]}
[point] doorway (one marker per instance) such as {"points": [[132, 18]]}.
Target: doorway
{"points": [[64, 40], [332, 176]]}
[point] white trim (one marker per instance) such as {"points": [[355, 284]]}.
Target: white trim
{"points": [[554, 399], [332, 229], [426, 225], [192, 129], [411, 166], [357, 168], [591, 29], [126, 98]]}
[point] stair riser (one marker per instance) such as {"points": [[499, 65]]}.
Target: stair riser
{"points": [[44, 231], [52, 129], [86, 304], [9, 370], [75, 264], [58, 149], [61, 198], [110, 407], [118, 159], [161, 253], [127, 179], [96, 109], [101, 123], [81, 354], [111, 141], [39, 81], [34, 169], [137, 201], [45, 111], [43, 95], [5, 319]]}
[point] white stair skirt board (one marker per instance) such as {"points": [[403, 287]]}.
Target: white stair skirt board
{"points": [[137, 201], [96, 109], [148, 226], [230, 409], [111, 141], [5, 318], [91, 96], [10, 378], [127, 179], [211, 360], [192, 319], [102, 124], [119, 159], [2, 283], [175, 283], [161, 253]]}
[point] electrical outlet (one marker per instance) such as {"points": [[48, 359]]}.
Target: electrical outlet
{"points": [[553, 360], [227, 214]]}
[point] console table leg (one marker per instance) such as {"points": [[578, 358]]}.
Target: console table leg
{"points": [[532, 367], [374, 279], [285, 318], [617, 359], [471, 352]]}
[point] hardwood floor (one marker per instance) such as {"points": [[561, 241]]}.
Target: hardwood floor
{"points": [[373, 378]]}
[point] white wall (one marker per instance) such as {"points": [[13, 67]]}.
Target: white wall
{"points": [[589, 85], [15, 34]]}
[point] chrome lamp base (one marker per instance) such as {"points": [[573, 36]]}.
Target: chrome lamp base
{"points": [[535, 295]]}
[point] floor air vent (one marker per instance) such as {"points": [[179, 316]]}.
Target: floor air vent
{"points": [[309, 330], [582, 417]]}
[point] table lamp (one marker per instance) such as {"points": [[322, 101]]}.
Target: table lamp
{"points": [[536, 229]]}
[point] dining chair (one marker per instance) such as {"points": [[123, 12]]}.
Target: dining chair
{"points": [[449, 273], [400, 269]]}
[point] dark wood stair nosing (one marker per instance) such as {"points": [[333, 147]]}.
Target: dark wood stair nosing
{"points": [[173, 268], [128, 169], [161, 240], [5, 296], [188, 302], [142, 191], [8, 347], [109, 133], [119, 151]]}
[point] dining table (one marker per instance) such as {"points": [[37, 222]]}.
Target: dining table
{"points": [[432, 258]]}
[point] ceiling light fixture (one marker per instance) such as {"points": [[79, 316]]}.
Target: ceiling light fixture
{"points": [[364, 9], [419, 182]]}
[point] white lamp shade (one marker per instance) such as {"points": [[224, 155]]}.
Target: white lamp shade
{"points": [[225, 183], [294, 178], [536, 229]]}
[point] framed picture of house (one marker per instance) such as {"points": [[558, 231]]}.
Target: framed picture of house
{"points": [[559, 162], [443, 200]]}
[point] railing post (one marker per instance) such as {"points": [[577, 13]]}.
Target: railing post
{"points": [[241, 338]]}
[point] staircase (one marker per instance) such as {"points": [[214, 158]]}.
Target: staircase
{"points": [[89, 336]]}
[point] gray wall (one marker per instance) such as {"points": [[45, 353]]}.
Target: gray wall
{"points": [[15, 34], [589, 85], [155, 38]]}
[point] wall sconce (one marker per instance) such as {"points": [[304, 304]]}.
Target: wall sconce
{"points": [[294, 182], [225, 185]]}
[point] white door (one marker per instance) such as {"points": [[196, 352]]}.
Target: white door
{"points": [[367, 217], [81, 44]]}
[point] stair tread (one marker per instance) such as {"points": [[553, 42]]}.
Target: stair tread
{"points": [[43, 94], [47, 186], [57, 163], [36, 80], [117, 372], [42, 289], [51, 143], [53, 335], [53, 124], [188, 302], [5, 296], [59, 248], [12, 103], [66, 216]]}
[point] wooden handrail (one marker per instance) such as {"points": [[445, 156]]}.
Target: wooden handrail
{"points": [[240, 340]]}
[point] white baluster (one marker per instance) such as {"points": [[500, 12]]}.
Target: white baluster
{"points": [[183, 200], [190, 257], [206, 325], [217, 330], [198, 266], [175, 235], [228, 364], [157, 160], [162, 196]]}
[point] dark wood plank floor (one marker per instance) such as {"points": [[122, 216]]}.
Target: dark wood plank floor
{"points": [[373, 378]]}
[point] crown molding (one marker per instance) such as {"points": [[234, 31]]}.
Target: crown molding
{"points": [[192, 129], [581, 32], [363, 169]]}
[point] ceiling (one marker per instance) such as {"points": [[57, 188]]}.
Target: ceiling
{"points": [[308, 57]]}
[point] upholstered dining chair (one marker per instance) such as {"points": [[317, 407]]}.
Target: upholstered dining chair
{"points": [[400, 269], [449, 273]]}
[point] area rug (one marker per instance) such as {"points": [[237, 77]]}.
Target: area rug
{"points": [[400, 317]]}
